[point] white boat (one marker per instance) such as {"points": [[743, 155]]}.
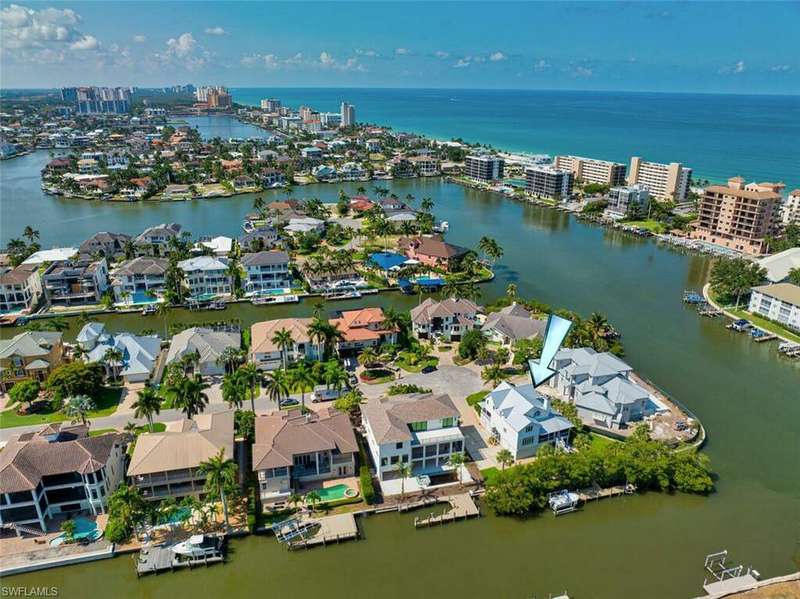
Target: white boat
{"points": [[441, 227], [274, 299], [198, 546], [563, 502], [341, 294]]}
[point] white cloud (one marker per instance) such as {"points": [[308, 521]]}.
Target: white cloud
{"points": [[581, 71], [139, 39], [735, 69], [462, 63], [780, 68], [402, 51], [441, 54], [183, 52], [87, 42], [367, 53], [215, 31], [181, 46], [739, 67], [326, 61], [497, 56], [541, 65]]}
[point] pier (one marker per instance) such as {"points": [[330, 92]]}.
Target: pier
{"points": [[462, 507], [153, 560], [597, 492], [329, 529]]}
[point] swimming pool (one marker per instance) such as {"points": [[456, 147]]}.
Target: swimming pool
{"points": [[84, 529], [336, 492]]}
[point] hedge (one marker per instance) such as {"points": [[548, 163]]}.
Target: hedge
{"points": [[367, 490]]}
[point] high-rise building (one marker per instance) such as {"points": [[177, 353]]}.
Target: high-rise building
{"points": [[739, 216], [484, 167], [348, 112], [216, 96], [270, 105], [330, 119], [590, 170], [790, 212], [548, 182], [98, 100], [666, 182]]}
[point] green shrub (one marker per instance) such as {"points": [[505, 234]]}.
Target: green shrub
{"points": [[367, 489], [470, 343], [402, 389]]}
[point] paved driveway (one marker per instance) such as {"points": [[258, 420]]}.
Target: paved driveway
{"points": [[456, 381]]}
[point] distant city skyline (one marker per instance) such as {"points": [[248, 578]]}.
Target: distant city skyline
{"points": [[703, 47]]}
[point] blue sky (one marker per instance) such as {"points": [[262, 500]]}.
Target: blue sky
{"points": [[649, 46]]}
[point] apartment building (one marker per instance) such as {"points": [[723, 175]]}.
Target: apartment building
{"points": [[20, 288], [484, 167], [426, 166], [348, 113], [590, 170], [779, 302], [548, 182], [625, 198], [98, 100], [738, 216], [666, 182], [790, 212]]}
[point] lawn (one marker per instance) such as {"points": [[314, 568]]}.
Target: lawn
{"points": [[472, 400], [767, 325], [158, 427], [403, 362], [106, 405], [651, 225], [601, 441]]}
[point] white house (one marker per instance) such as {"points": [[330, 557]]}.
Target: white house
{"points": [[139, 352], [133, 279], [449, 318], [267, 355], [208, 344], [779, 302], [521, 419], [417, 429], [206, 276], [265, 271]]}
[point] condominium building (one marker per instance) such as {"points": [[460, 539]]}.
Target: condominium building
{"points": [[738, 216], [625, 198], [790, 212], [589, 170], [484, 167], [548, 182], [98, 100], [348, 112], [270, 105], [666, 182], [779, 302]]}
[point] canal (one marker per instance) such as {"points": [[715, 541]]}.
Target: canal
{"points": [[643, 546]]}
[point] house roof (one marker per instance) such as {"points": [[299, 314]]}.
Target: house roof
{"points": [[56, 449], [786, 292], [521, 406], [265, 258], [585, 360], [30, 344], [51, 255], [202, 263], [15, 276], [355, 324], [778, 265], [139, 352], [261, 333], [169, 229], [143, 265], [515, 322], [184, 444], [389, 417], [433, 246], [282, 435], [430, 309], [209, 344]]}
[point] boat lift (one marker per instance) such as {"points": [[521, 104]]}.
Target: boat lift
{"points": [[288, 530], [563, 502]]}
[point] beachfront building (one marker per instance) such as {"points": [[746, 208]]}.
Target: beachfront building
{"points": [[207, 344], [29, 355], [267, 355], [521, 419], [590, 170], [738, 216], [779, 302], [627, 199], [545, 181], [420, 430], [139, 352], [363, 328], [448, 319], [206, 276], [666, 182], [600, 386], [105, 244], [75, 282], [292, 448], [511, 324], [432, 251], [56, 471], [133, 280], [790, 212], [155, 240], [348, 114], [265, 271], [167, 464], [20, 288], [484, 168]]}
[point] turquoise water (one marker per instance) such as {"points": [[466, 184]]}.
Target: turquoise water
{"points": [[717, 135], [333, 493], [84, 529], [224, 127]]}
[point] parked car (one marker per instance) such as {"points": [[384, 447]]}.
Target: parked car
{"points": [[428, 369], [288, 402], [325, 395]]}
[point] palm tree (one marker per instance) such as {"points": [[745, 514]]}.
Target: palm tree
{"points": [[457, 460], [113, 358], [284, 341], [597, 326], [333, 336], [504, 458], [511, 291], [277, 386], [302, 377], [251, 377], [233, 390], [492, 374], [367, 357], [404, 472], [313, 497], [316, 333], [162, 310], [230, 357], [220, 475], [191, 398], [78, 408], [147, 404], [426, 205], [130, 428], [30, 234], [335, 376], [294, 499]]}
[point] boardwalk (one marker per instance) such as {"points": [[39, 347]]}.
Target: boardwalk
{"points": [[462, 507], [332, 529], [596, 492], [160, 559]]}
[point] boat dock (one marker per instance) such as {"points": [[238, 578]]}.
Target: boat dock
{"points": [[597, 492], [153, 560], [329, 529], [462, 507]]}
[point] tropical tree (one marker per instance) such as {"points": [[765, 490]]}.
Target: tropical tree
{"points": [[277, 385], [794, 276], [251, 378], [313, 498], [284, 341], [230, 358], [78, 408], [403, 471], [511, 291], [335, 375], [113, 358], [294, 499], [492, 374], [220, 475], [490, 248], [317, 332], [162, 310], [25, 392], [233, 390], [734, 277], [367, 357], [504, 458], [457, 460], [302, 377], [147, 405], [191, 397]]}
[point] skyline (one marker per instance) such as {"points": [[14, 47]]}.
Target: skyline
{"points": [[595, 47]]}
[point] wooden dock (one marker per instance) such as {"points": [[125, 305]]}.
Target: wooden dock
{"points": [[462, 507], [332, 529], [153, 560], [596, 492]]}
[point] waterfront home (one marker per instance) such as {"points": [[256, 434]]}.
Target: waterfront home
{"points": [[167, 464], [362, 328], [155, 240], [220, 245], [265, 271], [323, 172], [511, 324], [417, 429], [75, 282], [361, 204], [88, 166], [209, 345], [29, 355], [432, 251], [779, 302], [243, 182], [521, 419], [304, 225], [51, 255], [206, 276], [448, 319], [20, 288], [292, 448], [108, 245], [266, 354], [259, 238], [139, 352], [58, 470], [400, 167], [133, 279], [625, 200], [271, 177], [778, 265], [599, 385], [425, 166]]}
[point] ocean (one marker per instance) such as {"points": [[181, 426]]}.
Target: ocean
{"points": [[719, 136]]}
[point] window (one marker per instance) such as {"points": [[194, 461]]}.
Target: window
{"points": [[457, 446], [450, 421], [384, 462], [528, 441], [419, 426], [398, 445], [395, 459]]}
